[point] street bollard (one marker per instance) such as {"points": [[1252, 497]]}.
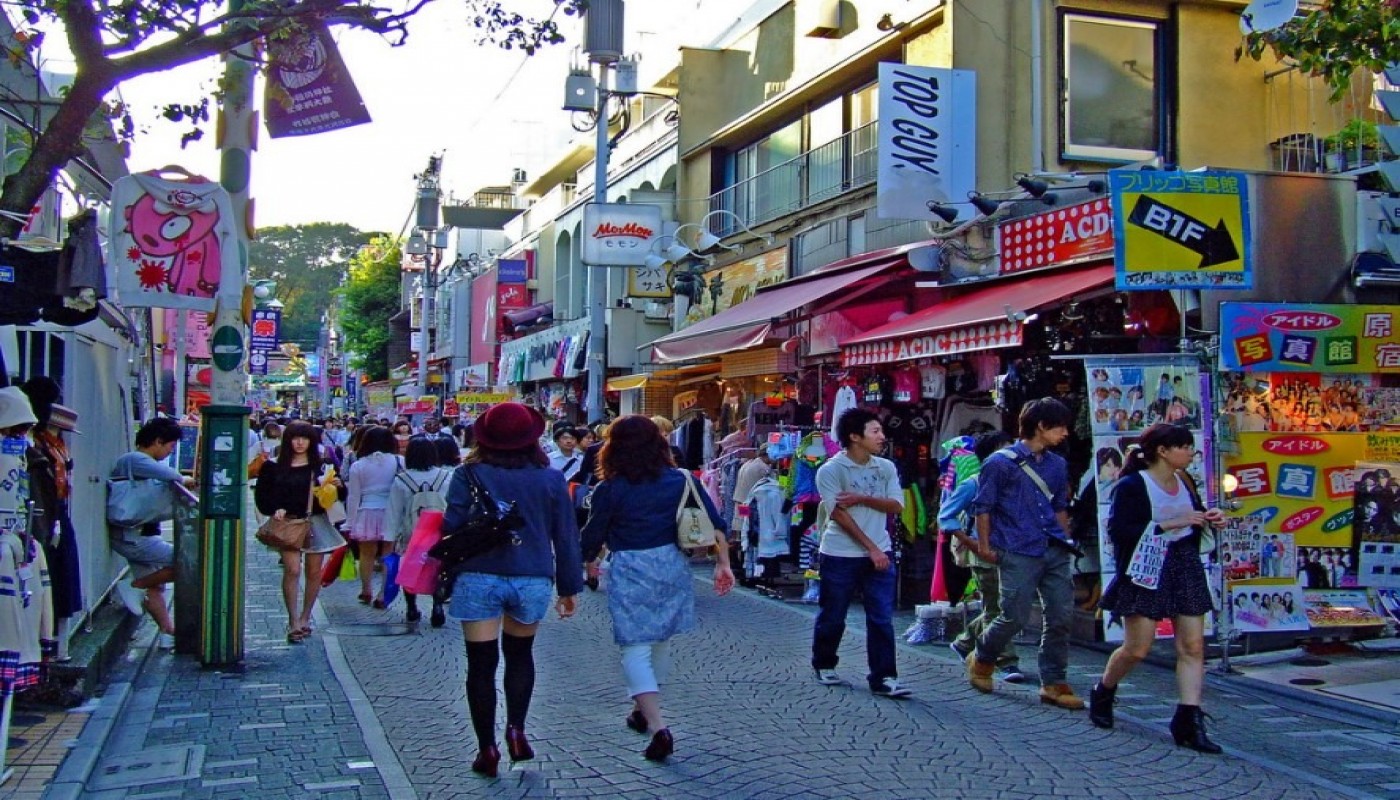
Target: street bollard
{"points": [[223, 476]]}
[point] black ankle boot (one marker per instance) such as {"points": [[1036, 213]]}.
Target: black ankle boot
{"points": [[1189, 730], [1101, 705]]}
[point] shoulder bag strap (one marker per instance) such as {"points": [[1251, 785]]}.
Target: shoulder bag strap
{"points": [[685, 493], [1025, 466], [1190, 484], [442, 477], [310, 495]]}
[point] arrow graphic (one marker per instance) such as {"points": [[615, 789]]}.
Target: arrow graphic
{"points": [[1215, 245]]}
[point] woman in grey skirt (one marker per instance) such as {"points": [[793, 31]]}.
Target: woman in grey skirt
{"points": [[283, 490], [651, 596]]}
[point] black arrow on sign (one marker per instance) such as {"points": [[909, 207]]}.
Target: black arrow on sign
{"points": [[1215, 245]]}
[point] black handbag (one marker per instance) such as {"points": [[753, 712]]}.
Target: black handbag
{"points": [[487, 525]]}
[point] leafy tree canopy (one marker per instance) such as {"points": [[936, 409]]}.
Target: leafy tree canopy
{"points": [[1334, 40], [114, 40], [369, 298], [307, 262]]}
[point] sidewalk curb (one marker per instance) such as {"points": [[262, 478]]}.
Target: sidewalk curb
{"points": [[1358, 714], [72, 776]]}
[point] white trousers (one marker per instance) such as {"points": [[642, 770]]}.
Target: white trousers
{"points": [[644, 666]]}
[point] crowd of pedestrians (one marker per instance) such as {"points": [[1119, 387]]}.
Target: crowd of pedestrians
{"points": [[582, 500]]}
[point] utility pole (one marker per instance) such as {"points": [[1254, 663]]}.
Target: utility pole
{"points": [[223, 440], [603, 43], [428, 200]]}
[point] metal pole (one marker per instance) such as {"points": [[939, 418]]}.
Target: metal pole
{"points": [[224, 463], [597, 275], [181, 370], [424, 326]]}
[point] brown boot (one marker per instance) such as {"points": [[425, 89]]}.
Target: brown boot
{"points": [[1059, 694], [979, 673]]}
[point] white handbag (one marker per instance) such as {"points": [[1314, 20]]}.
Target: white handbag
{"points": [[693, 526]]}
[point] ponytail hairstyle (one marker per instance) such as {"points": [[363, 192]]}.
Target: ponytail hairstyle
{"points": [[1158, 435]]}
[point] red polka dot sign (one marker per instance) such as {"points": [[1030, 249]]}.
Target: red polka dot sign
{"points": [[1055, 238]]}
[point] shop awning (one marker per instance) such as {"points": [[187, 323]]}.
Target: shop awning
{"points": [[624, 382], [748, 323], [972, 322]]}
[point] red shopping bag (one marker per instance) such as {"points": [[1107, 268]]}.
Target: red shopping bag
{"points": [[418, 572], [331, 569]]}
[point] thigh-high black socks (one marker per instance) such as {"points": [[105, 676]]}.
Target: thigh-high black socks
{"points": [[482, 658], [520, 677]]}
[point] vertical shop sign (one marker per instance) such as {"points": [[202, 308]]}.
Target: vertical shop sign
{"points": [[1181, 230], [265, 332], [927, 139]]}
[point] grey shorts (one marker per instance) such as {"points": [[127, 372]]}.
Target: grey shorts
{"points": [[145, 554]]}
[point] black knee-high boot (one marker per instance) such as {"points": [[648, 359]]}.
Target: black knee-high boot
{"points": [[519, 677], [482, 658]]}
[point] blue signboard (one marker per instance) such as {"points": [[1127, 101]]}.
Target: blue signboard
{"points": [[266, 329], [257, 362], [511, 271]]}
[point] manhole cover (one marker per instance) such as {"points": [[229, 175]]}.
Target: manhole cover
{"points": [[371, 629], [1309, 662], [1307, 681], [159, 765]]}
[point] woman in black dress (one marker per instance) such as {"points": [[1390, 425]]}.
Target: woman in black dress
{"points": [[1156, 493]]}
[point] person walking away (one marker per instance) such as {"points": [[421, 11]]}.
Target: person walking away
{"points": [[502, 595], [1023, 528], [1156, 496], [651, 595], [369, 479], [419, 487], [284, 491], [953, 519], [151, 558], [859, 490]]}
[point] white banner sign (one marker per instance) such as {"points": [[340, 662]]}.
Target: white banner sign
{"points": [[928, 139], [619, 234]]}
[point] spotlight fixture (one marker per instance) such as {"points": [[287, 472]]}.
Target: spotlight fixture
{"points": [[985, 206], [944, 212], [1097, 186], [1033, 186]]}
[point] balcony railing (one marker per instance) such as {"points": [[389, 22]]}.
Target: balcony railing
{"points": [[813, 177]]}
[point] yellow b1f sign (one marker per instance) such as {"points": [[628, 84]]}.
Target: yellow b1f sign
{"points": [[1181, 230]]}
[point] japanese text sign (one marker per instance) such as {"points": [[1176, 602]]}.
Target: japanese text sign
{"points": [[619, 234], [1281, 337], [1063, 236], [1181, 230], [267, 324]]}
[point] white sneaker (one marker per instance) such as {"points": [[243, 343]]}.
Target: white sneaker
{"points": [[166, 641], [889, 687], [829, 677], [131, 597]]}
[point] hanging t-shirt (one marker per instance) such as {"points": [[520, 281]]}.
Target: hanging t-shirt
{"points": [[876, 391], [986, 367], [906, 386], [845, 401], [932, 379]]}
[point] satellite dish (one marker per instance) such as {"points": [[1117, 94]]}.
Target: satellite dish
{"points": [[1265, 15]]}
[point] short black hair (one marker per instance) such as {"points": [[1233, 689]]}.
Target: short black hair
{"points": [[448, 453], [852, 423], [988, 443], [1047, 412], [421, 453], [158, 430]]}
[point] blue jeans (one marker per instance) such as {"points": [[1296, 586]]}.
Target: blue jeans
{"points": [[1023, 578], [839, 578]]}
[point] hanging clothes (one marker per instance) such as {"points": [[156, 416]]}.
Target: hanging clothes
{"points": [[845, 401], [769, 518], [25, 617]]}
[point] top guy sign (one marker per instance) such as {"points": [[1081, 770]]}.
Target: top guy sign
{"points": [[928, 139]]}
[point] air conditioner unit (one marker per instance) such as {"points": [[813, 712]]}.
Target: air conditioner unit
{"points": [[822, 19], [656, 310]]}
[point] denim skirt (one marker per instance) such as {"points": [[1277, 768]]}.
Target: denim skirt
{"points": [[651, 595]]}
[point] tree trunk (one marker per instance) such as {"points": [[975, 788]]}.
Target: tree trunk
{"points": [[60, 142]]}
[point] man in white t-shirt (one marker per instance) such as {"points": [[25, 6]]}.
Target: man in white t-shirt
{"points": [[859, 491]]}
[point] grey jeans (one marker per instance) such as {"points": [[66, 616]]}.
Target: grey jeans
{"points": [[1022, 579]]}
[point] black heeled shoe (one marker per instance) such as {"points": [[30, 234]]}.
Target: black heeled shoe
{"points": [[662, 745], [1101, 705], [438, 618], [413, 615], [486, 761], [637, 721], [1188, 729], [517, 745]]}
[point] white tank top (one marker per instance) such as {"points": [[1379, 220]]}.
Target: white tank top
{"points": [[1166, 505]]}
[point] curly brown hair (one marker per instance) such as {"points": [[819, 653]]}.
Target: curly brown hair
{"points": [[634, 450]]}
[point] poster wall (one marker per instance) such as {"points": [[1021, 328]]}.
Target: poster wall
{"points": [[1377, 522], [1267, 605], [1126, 395], [1285, 337]]}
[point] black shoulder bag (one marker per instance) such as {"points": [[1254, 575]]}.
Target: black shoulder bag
{"points": [[487, 525]]}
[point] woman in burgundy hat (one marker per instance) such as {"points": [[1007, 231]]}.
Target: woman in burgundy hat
{"points": [[503, 595]]}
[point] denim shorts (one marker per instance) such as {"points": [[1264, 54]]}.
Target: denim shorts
{"points": [[145, 554], [478, 596]]}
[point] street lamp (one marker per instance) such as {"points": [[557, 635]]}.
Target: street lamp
{"points": [[429, 243]]}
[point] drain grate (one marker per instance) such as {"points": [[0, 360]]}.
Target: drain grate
{"points": [[160, 765], [1309, 662], [1307, 681], [371, 629]]}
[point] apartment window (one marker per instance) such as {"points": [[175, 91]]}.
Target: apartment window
{"points": [[1113, 88]]}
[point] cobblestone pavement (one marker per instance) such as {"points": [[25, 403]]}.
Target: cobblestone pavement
{"points": [[369, 708]]}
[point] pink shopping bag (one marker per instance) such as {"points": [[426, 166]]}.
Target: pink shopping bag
{"points": [[418, 572]]}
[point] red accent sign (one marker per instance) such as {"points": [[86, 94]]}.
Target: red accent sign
{"points": [[511, 295], [1301, 519], [1301, 321], [632, 230], [1296, 445], [1063, 236]]}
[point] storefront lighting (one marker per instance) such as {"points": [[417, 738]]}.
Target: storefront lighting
{"points": [[1033, 186], [707, 240], [944, 212], [985, 206]]}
